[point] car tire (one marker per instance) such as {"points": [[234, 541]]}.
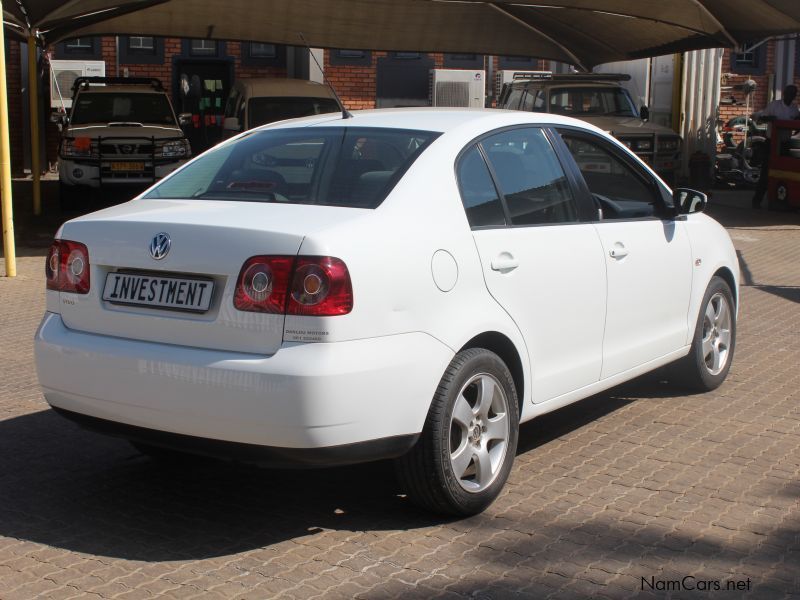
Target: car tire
{"points": [[709, 360], [467, 447], [68, 198]]}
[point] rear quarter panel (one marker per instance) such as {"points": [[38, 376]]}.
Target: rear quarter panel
{"points": [[389, 257]]}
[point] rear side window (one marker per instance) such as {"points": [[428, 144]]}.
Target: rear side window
{"points": [[480, 197], [530, 177], [334, 166]]}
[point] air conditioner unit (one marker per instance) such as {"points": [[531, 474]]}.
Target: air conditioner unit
{"points": [[509, 75], [458, 87], [63, 74]]}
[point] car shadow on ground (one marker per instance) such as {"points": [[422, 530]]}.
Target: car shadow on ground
{"points": [[69, 488]]}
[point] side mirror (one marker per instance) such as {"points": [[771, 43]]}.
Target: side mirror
{"points": [[184, 119], [688, 201], [644, 113], [231, 124], [59, 118]]}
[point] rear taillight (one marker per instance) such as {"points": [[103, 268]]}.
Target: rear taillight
{"points": [[263, 283], [305, 285], [320, 287], [67, 267]]}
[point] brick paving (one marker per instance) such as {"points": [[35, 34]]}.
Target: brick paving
{"points": [[639, 482]]}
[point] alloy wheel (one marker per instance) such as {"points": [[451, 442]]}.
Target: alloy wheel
{"points": [[479, 432]]}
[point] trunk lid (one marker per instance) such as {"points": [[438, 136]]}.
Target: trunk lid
{"points": [[210, 241]]}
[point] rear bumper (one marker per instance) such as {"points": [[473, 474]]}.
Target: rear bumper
{"points": [[271, 456], [305, 396]]}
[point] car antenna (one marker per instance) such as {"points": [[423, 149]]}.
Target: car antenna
{"points": [[345, 113]]}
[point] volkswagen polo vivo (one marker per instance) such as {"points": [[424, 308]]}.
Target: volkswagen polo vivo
{"points": [[407, 284]]}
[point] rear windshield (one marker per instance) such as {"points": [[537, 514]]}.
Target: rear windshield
{"points": [[268, 110], [334, 166], [108, 107]]}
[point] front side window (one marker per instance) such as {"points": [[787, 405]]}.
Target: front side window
{"points": [[514, 98], [480, 197], [110, 107], [617, 189], [530, 177], [232, 103], [591, 101], [269, 110], [333, 166], [533, 101]]}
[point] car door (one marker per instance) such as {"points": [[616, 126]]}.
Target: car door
{"points": [[540, 261], [647, 255]]}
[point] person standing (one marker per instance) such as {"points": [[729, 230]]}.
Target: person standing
{"points": [[784, 109]]}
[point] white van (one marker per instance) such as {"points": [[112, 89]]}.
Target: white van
{"points": [[254, 102]]}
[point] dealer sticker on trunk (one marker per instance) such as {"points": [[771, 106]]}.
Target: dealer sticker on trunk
{"points": [[159, 292]]}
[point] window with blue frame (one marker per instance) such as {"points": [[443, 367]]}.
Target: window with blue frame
{"points": [[79, 48], [750, 60], [139, 49], [344, 57]]}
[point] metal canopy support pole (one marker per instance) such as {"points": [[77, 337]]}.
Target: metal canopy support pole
{"points": [[5, 164], [33, 110]]}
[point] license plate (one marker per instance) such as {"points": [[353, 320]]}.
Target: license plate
{"points": [[127, 166], [175, 293]]}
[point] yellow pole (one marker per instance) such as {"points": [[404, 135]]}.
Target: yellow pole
{"points": [[5, 163], [33, 109]]}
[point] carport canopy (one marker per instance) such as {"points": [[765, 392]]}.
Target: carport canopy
{"points": [[581, 32]]}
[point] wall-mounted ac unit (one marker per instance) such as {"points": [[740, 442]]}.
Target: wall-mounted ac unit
{"points": [[457, 87], [63, 74], [507, 76]]}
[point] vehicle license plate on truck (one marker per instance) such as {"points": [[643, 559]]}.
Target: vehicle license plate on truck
{"points": [[127, 166], [159, 292]]}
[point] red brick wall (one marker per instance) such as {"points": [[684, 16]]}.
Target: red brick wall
{"points": [[356, 85], [163, 71], [758, 100], [244, 71]]}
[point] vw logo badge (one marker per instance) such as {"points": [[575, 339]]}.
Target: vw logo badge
{"points": [[159, 247], [126, 148]]}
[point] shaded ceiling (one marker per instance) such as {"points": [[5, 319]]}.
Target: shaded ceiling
{"points": [[581, 32]]}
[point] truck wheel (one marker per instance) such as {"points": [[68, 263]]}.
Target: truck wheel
{"points": [[709, 360], [466, 450], [781, 199]]}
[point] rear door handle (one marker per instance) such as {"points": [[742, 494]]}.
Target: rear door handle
{"points": [[504, 263], [618, 251]]}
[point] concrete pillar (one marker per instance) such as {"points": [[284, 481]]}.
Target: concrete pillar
{"points": [[785, 54]]}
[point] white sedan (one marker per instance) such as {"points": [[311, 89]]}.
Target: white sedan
{"points": [[407, 284]]}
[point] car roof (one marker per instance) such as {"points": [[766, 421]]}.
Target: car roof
{"points": [[274, 86], [132, 89], [441, 120]]}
